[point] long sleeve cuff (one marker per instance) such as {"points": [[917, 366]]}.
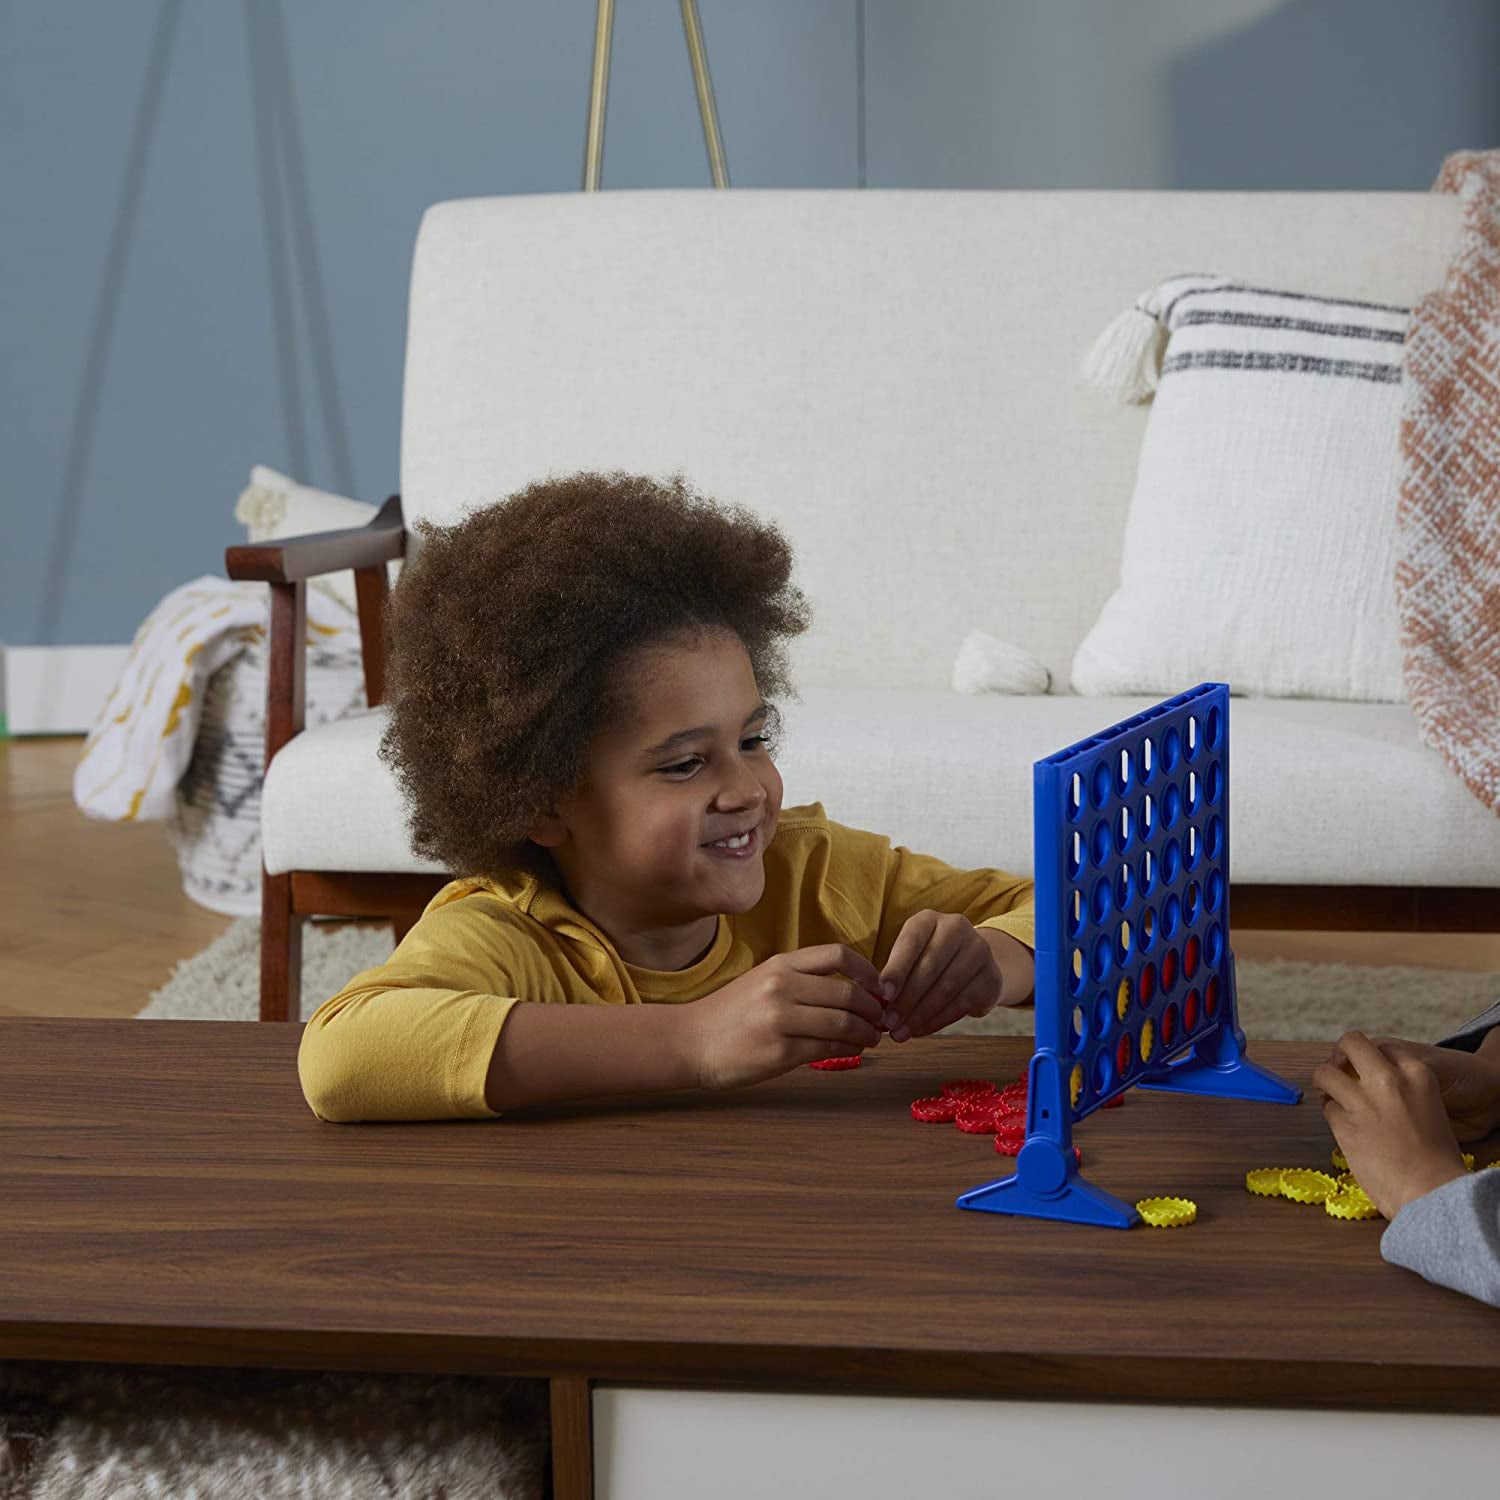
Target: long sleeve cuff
{"points": [[1452, 1236], [1020, 925], [1468, 1036]]}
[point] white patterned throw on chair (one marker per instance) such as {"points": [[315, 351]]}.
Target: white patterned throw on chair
{"points": [[182, 735], [1260, 544]]}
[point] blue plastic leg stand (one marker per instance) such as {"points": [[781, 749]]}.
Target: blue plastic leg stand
{"points": [[1218, 1066], [1046, 1184]]}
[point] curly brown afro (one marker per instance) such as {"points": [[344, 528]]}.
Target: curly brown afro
{"points": [[506, 632]]}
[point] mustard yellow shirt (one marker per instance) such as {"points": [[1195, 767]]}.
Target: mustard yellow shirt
{"points": [[412, 1038]]}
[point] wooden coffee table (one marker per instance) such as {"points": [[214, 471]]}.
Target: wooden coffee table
{"points": [[167, 1198]]}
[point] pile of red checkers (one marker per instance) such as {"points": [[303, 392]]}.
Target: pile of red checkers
{"points": [[975, 1105]]}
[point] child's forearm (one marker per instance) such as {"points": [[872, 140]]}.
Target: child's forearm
{"points": [[1017, 965], [548, 1054]]}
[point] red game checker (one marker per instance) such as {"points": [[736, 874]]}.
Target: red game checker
{"points": [[938, 1111], [960, 1086], [978, 1118]]}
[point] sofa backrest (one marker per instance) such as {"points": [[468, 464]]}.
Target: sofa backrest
{"points": [[890, 376]]}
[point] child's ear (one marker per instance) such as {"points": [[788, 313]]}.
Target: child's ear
{"points": [[548, 831]]}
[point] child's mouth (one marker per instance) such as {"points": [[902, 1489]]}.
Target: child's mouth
{"points": [[746, 850]]}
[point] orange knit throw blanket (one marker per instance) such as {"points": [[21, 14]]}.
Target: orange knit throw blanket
{"points": [[1448, 516]]}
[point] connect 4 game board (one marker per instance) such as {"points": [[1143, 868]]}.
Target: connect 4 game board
{"points": [[1134, 971]]}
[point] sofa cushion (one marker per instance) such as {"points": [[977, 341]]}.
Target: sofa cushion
{"points": [[1322, 793], [1261, 543]]}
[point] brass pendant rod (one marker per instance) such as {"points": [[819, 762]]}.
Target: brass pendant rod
{"points": [[698, 56], [593, 150]]}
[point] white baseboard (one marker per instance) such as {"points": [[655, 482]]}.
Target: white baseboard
{"points": [[57, 689]]}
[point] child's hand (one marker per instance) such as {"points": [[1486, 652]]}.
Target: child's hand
{"points": [[785, 1012], [1385, 1109], [941, 969], [1469, 1082]]}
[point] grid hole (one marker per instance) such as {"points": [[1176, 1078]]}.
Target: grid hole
{"points": [[1171, 806], [1103, 956], [1101, 784], [1171, 914], [1169, 971], [1100, 901]]}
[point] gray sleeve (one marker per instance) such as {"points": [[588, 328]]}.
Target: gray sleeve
{"points": [[1468, 1036], [1452, 1236]]}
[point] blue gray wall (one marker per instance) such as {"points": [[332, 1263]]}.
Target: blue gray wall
{"points": [[198, 275]]}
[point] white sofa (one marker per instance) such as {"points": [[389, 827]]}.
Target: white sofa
{"points": [[892, 377]]}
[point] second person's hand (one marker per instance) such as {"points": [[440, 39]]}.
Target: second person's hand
{"points": [[1386, 1112], [1469, 1082]]}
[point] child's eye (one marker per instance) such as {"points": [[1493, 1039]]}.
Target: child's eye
{"points": [[688, 765]]}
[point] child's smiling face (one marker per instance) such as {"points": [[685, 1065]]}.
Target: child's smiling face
{"points": [[632, 842]]}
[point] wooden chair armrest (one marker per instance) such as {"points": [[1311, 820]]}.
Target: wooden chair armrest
{"points": [[296, 558], [287, 565]]}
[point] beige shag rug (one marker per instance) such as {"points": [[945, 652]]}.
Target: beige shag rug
{"points": [[1279, 1000], [117, 1432], [127, 1432]]}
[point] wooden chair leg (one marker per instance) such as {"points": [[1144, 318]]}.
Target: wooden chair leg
{"points": [[572, 1438], [280, 951]]}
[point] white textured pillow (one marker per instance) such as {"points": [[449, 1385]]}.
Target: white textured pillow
{"points": [[273, 507], [1260, 544]]}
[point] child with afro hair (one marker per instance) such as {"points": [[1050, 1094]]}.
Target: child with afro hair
{"points": [[581, 687]]}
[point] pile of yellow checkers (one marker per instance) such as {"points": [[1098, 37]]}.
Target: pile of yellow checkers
{"points": [[1341, 1196]]}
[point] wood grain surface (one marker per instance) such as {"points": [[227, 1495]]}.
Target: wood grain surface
{"points": [[168, 1197]]}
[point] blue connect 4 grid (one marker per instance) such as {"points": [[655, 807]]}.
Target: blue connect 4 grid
{"points": [[1134, 972]]}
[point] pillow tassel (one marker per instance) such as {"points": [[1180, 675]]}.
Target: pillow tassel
{"points": [[987, 665], [1126, 358], [260, 510]]}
